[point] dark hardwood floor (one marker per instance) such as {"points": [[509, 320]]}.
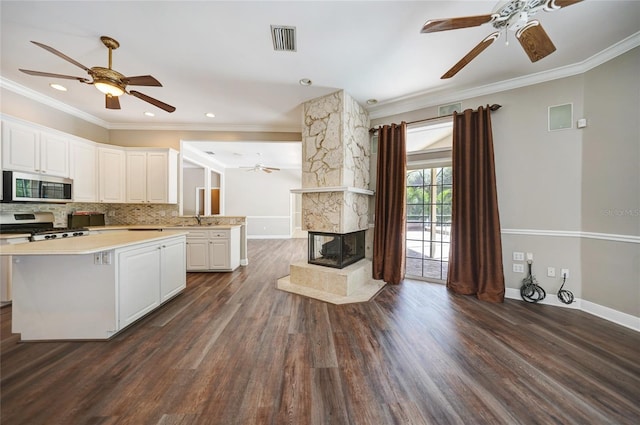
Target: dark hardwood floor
{"points": [[232, 349]]}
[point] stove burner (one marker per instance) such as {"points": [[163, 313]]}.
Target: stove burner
{"points": [[57, 234]]}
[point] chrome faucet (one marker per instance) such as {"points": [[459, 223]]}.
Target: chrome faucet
{"points": [[198, 219]]}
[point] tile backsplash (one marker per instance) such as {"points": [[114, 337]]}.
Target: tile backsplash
{"points": [[121, 214]]}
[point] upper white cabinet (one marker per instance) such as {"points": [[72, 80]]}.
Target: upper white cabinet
{"points": [[25, 148], [84, 171], [111, 175], [152, 176]]}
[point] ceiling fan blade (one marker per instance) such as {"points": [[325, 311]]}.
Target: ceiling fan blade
{"points": [[112, 102], [535, 41], [435, 25], [562, 3], [266, 170], [49, 74], [142, 80], [62, 55], [154, 102], [471, 55], [271, 169]]}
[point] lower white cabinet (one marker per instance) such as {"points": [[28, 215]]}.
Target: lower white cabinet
{"points": [[213, 250], [148, 275]]}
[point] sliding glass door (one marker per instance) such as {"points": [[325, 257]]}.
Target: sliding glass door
{"points": [[429, 193]]}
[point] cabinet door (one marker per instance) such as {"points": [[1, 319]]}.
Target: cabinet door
{"points": [[138, 278], [156, 177], [111, 171], [54, 155], [83, 172], [219, 254], [197, 254], [174, 277], [136, 177], [20, 148]]}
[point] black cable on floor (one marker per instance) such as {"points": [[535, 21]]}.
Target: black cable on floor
{"points": [[530, 291], [564, 295]]}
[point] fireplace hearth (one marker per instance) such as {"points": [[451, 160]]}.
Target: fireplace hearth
{"points": [[336, 250]]}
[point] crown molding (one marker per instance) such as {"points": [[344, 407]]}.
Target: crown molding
{"points": [[431, 98], [51, 102], [206, 127]]}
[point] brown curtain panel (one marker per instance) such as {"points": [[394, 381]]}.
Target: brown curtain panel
{"points": [[475, 257], [389, 230]]}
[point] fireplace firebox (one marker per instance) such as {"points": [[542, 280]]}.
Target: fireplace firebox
{"points": [[335, 249]]}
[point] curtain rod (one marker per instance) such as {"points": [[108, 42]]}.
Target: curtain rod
{"points": [[493, 107]]}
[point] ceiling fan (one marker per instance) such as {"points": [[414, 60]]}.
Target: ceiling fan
{"points": [[515, 15], [107, 80], [260, 167]]}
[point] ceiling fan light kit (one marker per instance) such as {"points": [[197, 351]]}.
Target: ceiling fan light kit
{"points": [[107, 80], [514, 15]]}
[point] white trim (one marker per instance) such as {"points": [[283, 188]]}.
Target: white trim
{"points": [[51, 102], [334, 189], [607, 313], [612, 315], [268, 236], [573, 234], [437, 97]]}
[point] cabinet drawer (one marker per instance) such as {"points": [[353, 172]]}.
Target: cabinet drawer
{"points": [[198, 234], [219, 234]]}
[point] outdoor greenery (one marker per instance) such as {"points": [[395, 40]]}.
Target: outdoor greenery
{"points": [[420, 195]]}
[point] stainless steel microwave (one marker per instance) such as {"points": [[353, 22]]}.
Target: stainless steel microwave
{"points": [[27, 187]]}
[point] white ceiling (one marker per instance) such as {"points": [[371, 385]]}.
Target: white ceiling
{"points": [[214, 56]]}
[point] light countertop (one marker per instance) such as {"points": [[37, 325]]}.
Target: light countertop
{"points": [[164, 226], [87, 244]]}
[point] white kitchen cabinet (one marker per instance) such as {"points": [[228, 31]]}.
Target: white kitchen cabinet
{"points": [[138, 280], [172, 269], [219, 258], [152, 176], [83, 171], [26, 148], [5, 267], [111, 175], [149, 275], [213, 250], [197, 254]]}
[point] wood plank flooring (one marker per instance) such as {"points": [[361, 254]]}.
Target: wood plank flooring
{"points": [[232, 349]]}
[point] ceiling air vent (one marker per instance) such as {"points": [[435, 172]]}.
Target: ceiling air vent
{"points": [[284, 38]]}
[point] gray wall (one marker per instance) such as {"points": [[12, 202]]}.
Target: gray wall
{"points": [[611, 184], [554, 188]]}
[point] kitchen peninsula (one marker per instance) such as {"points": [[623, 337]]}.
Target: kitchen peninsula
{"points": [[92, 287]]}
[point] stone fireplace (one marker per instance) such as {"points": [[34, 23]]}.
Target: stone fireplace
{"points": [[335, 202]]}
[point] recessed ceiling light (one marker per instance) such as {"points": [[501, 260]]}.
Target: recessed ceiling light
{"points": [[210, 115], [372, 101], [58, 87], [305, 82], [150, 114]]}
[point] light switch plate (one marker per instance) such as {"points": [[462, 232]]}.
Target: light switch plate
{"points": [[518, 256]]}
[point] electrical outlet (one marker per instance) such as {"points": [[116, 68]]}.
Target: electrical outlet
{"points": [[97, 258], [551, 272], [518, 268], [529, 256], [518, 256], [565, 273]]}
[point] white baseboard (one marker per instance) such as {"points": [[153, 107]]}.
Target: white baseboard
{"points": [[615, 316], [268, 236]]}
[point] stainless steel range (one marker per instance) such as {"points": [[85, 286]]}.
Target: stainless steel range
{"points": [[38, 224]]}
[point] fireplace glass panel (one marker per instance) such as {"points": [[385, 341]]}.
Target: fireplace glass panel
{"points": [[336, 250]]}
